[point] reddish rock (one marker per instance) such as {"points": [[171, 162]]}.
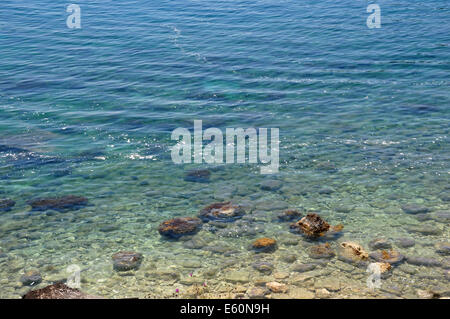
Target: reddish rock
{"points": [[312, 225], [264, 245], [126, 260], [180, 226], [58, 291], [59, 203], [225, 212]]}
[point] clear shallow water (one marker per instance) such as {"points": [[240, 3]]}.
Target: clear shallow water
{"points": [[90, 112]]}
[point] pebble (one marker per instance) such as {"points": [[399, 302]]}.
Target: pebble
{"points": [[238, 276], [31, 278], [405, 242], [425, 230], [277, 287], [443, 248], [415, 209], [257, 293], [126, 260], [300, 293], [263, 267], [289, 258], [271, 185], [321, 251], [304, 267], [379, 243], [423, 261]]}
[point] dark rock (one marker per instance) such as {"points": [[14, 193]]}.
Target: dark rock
{"points": [[443, 248], [6, 204], [445, 197], [392, 257], [379, 243], [422, 217], [63, 203], [58, 291], [31, 278], [322, 251], [289, 215], [415, 209], [312, 225], [198, 176], [405, 242], [271, 185], [326, 191], [264, 267], [225, 212], [304, 267], [441, 216], [425, 230], [265, 245], [180, 226], [126, 260], [423, 261]]}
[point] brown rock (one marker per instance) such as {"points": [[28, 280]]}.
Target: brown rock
{"points": [[264, 245], [225, 212], [321, 251], [277, 287], [353, 251], [180, 226], [59, 203], [312, 225], [58, 291]]}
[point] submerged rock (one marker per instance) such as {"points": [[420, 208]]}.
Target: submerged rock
{"points": [[58, 291], [126, 260], [415, 209], [323, 251], [198, 176], [425, 229], [6, 204], [405, 242], [264, 245], [423, 261], [392, 257], [180, 226], [257, 293], [277, 287], [312, 225], [441, 216], [264, 267], [443, 248], [271, 185], [352, 253], [59, 203], [31, 278], [380, 243], [289, 215], [225, 212], [304, 267]]}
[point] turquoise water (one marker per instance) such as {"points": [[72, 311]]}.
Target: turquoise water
{"points": [[363, 117]]}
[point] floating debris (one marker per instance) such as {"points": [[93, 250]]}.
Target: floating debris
{"points": [[180, 226]]}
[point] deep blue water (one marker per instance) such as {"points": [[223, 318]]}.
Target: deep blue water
{"points": [[364, 112]]}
